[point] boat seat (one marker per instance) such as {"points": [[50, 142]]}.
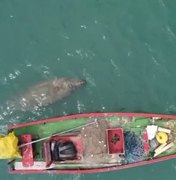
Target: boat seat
{"points": [[27, 151], [62, 148], [59, 151]]}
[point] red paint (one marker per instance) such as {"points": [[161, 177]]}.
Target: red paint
{"points": [[47, 153], [27, 152], [115, 145], [146, 143], [100, 169]]}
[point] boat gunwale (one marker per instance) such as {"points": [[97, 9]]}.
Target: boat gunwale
{"points": [[95, 170], [84, 115]]}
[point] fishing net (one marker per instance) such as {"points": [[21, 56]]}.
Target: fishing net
{"points": [[95, 143], [134, 147]]}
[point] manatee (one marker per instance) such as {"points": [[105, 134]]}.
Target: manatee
{"points": [[47, 92]]}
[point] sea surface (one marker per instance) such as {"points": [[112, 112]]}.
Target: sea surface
{"points": [[126, 50]]}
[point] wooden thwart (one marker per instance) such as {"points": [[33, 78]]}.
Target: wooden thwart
{"points": [[161, 150], [160, 147], [164, 130]]}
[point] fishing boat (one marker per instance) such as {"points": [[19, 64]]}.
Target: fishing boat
{"points": [[93, 142]]}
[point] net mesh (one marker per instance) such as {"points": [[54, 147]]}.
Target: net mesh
{"points": [[134, 147], [95, 144]]}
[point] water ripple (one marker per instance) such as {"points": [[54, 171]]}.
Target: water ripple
{"points": [[161, 2], [116, 68], [89, 78], [80, 107], [83, 26], [11, 76], [170, 32]]}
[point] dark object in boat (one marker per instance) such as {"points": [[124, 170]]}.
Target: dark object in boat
{"points": [[115, 139], [134, 147], [62, 151], [154, 144]]}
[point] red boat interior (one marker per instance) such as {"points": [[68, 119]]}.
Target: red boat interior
{"points": [[115, 141], [72, 148]]}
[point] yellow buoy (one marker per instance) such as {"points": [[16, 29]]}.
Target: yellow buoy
{"points": [[162, 137]]}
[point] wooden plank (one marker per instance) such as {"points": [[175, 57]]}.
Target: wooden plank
{"points": [[38, 165], [164, 130], [164, 149], [160, 147]]}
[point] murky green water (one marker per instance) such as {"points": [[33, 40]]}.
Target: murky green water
{"points": [[124, 49]]}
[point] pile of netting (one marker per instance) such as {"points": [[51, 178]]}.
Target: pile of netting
{"points": [[95, 143], [94, 139], [134, 147]]}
